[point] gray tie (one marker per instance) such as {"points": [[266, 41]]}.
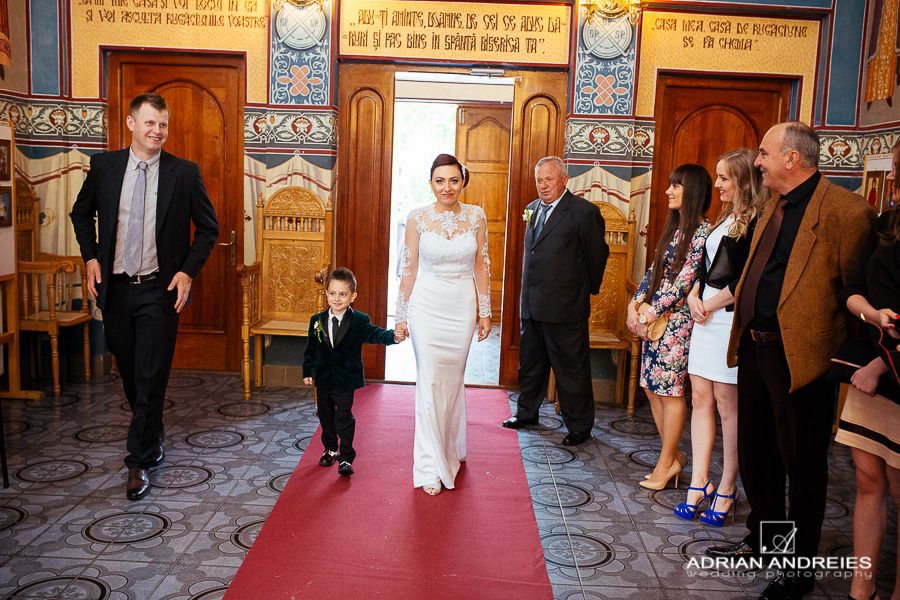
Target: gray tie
{"points": [[134, 237], [542, 216]]}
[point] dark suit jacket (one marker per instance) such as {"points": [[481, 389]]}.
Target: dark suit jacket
{"points": [[565, 264], [341, 367], [181, 199], [832, 234]]}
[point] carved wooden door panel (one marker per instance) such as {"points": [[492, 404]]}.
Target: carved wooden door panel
{"points": [[698, 120], [362, 212], [482, 144], [538, 128], [206, 97]]}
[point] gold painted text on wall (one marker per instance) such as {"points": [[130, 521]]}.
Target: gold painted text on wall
{"points": [[477, 32]]}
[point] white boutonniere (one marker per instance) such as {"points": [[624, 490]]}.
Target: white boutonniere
{"points": [[319, 331], [526, 216]]}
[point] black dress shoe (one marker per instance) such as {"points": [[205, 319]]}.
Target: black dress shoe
{"points": [[784, 587], [739, 550], [157, 457], [574, 439], [345, 469], [138, 483], [517, 423], [327, 458]]}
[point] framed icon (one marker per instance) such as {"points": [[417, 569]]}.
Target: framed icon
{"points": [[6, 206], [5, 160], [875, 187]]}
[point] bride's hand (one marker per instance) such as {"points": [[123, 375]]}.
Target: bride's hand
{"points": [[401, 330], [484, 328]]}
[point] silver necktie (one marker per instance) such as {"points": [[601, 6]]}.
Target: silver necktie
{"points": [[134, 237]]}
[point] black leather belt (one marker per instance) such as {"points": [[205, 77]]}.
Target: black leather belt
{"points": [[765, 336], [136, 279]]}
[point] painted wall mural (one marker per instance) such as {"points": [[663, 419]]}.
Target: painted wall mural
{"points": [[607, 140], [300, 48], [42, 120], [312, 130], [605, 59]]}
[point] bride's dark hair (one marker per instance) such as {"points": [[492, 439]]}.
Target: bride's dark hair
{"points": [[444, 160]]}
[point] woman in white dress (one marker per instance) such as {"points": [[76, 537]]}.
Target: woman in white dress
{"points": [[711, 301], [438, 305]]}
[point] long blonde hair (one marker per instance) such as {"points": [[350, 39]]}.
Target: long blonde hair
{"points": [[749, 194]]}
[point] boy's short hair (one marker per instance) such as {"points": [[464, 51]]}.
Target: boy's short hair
{"points": [[342, 274]]}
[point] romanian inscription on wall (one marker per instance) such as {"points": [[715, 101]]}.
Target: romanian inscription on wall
{"points": [[727, 44], [178, 24], [474, 32]]}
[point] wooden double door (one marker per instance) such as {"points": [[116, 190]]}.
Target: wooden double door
{"points": [[206, 96], [363, 207]]}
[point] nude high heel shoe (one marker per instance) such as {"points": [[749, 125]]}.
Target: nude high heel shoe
{"points": [[674, 471], [682, 460]]}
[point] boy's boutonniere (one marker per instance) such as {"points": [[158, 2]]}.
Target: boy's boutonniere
{"points": [[526, 216], [320, 331]]}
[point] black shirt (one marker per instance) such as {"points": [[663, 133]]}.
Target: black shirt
{"points": [[768, 293]]}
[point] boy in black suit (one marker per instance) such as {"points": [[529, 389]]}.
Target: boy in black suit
{"points": [[333, 359]]}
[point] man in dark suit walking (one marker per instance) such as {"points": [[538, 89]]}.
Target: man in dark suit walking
{"points": [[565, 256], [140, 264]]}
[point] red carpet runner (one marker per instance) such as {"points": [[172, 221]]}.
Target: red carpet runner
{"points": [[373, 536]]}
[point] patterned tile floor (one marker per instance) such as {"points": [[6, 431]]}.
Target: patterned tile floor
{"points": [[66, 530]]}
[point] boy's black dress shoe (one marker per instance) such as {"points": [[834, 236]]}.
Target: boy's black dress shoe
{"points": [[574, 439], [138, 483], [739, 550], [788, 588], [345, 469], [327, 458], [517, 423]]}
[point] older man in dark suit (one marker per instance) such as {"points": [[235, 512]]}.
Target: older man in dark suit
{"points": [[132, 220], [787, 326], [565, 256]]}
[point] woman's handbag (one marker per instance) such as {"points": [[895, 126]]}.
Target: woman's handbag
{"points": [[657, 327]]}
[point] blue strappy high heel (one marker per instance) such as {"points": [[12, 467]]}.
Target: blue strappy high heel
{"points": [[688, 512], [712, 517]]}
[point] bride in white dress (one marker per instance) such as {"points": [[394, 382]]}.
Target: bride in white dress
{"points": [[445, 249]]}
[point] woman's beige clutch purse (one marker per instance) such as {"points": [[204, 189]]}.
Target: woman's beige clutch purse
{"points": [[655, 328]]}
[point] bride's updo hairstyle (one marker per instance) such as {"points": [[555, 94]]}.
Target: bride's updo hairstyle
{"points": [[444, 160]]}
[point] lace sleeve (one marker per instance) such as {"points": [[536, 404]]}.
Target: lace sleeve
{"points": [[482, 265], [409, 268]]}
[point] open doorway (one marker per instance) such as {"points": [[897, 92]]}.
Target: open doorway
{"points": [[469, 116]]}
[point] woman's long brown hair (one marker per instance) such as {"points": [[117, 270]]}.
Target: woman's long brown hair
{"points": [[695, 201]]}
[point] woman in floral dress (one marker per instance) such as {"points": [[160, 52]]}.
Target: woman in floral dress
{"points": [[665, 287]]}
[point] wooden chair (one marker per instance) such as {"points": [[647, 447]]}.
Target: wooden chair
{"points": [[284, 288], [609, 308], [48, 286]]}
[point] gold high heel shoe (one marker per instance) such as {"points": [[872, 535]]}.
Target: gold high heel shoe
{"points": [[674, 471], [682, 460]]}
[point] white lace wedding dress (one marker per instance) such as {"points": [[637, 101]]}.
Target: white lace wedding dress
{"points": [[442, 255]]}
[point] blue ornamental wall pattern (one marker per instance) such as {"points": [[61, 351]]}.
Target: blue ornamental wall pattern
{"points": [[296, 129], [300, 76], [72, 122], [603, 87]]}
